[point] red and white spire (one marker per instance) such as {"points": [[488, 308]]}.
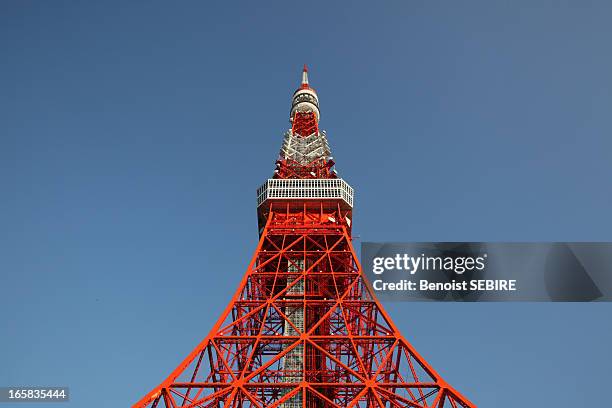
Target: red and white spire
{"points": [[305, 151], [305, 99], [305, 77]]}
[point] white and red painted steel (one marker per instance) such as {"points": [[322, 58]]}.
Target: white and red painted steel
{"points": [[303, 330]]}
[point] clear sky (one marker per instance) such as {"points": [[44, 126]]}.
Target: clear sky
{"points": [[133, 136]]}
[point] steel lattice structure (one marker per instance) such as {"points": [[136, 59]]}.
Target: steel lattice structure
{"points": [[304, 329]]}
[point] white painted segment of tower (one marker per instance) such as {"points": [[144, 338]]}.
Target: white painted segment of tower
{"points": [[305, 100], [305, 189], [305, 150]]}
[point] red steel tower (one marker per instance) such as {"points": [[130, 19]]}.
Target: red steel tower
{"points": [[303, 330]]}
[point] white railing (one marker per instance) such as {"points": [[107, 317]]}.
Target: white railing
{"points": [[313, 189]]}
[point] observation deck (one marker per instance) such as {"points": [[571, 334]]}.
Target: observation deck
{"points": [[305, 189]]}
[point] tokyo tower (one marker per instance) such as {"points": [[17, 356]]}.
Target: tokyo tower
{"points": [[303, 330]]}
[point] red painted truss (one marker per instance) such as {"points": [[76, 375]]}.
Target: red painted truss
{"points": [[304, 330], [305, 124]]}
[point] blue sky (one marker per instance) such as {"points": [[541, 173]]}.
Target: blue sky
{"points": [[133, 136]]}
